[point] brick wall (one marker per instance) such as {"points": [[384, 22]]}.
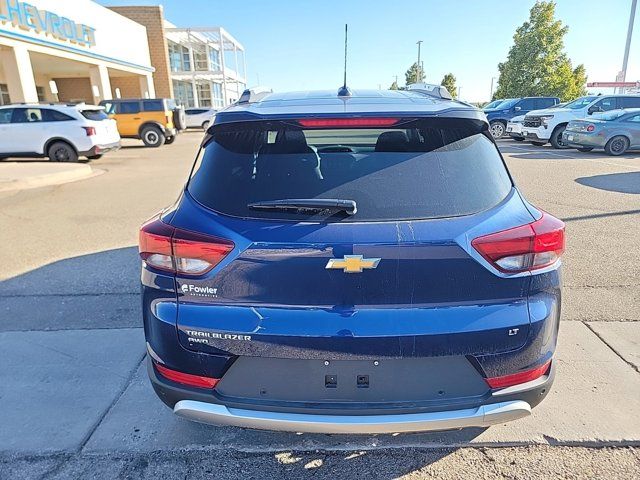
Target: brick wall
{"points": [[153, 18], [77, 89], [129, 87]]}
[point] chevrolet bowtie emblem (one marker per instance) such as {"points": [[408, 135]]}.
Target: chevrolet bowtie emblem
{"points": [[352, 263]]}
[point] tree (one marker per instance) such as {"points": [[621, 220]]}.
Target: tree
{"points": [[536, 63], [394, 86], [449, 81], [415, 74]]}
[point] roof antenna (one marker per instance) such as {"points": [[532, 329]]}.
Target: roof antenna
{"points": [[344, 91]]}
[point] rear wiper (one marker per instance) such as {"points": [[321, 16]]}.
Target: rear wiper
{"points": [[302, 204]]}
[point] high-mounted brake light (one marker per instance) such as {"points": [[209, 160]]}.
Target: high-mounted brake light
{"points": [[90, 131], [347, 122], [520, 377], [186, 378], [525, 248], [180, 251]]}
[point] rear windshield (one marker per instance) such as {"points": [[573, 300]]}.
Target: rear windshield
{"points": [[97, 114], [419, 169]]}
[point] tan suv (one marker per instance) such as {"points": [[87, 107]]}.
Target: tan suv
{"points": [[155, 121]]}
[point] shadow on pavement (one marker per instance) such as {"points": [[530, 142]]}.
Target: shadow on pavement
{"points": [[628, 182], [98, 290]]}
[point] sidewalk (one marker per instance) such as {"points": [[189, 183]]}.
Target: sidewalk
{"points": [[22, 175]]}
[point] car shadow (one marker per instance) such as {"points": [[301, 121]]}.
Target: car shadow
{"points": [[628, 182]]}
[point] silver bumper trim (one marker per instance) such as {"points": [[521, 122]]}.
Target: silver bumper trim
{"points": [[482, 416]]}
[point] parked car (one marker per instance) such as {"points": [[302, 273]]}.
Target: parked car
{"points": [[493, 104], [199, 117], [548, 125], [306, 280], [512, 107], [617, 131], [58, 131], [514, 128], [155, 121]]}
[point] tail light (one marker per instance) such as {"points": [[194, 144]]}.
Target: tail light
{"points": [[525, 248], [180, 251], [347, 122], [189, 379], [520, 377], [90, 131], [591, 128]]}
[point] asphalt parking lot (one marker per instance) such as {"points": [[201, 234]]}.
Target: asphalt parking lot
{"points": [[75, 401]]}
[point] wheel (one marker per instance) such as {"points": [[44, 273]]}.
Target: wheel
{"points": [[152, 136], [518, 139], [556, 137], [62, 152], [497, 129], [205, 125], [585, 149], [539, 144], [170, 140], [617, 145], [95, 157]]}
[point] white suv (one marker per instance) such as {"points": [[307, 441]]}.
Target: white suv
{"points": [[199, 117], [60, 132], [542, 126]]}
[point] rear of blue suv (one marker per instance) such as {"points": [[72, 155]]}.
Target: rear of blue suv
{"points": [[351, 265]]}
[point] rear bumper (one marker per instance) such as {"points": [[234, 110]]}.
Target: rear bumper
{"points": [[482, 416], [100, 149], [578, 140]]}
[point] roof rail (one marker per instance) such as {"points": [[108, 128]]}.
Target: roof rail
{"points": [[437, 91], [255, 94]]}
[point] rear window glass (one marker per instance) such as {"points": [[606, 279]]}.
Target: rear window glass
{"points": [[153, 105], [49, 115], [425, 168], [96, 115]]}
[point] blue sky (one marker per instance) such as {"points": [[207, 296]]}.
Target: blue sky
{"points": [[298, 45]]}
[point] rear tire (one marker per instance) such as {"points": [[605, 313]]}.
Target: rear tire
{"points": [[617, 145], [152, 137], [497, 129], [95, 157], [585, 149], [539, 144], [556, 138], [518, 139], [62, 152], [170, 140]]}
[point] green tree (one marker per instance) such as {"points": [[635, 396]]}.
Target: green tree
{"points": [[415, 74], [536, 63], [449, 81], [394, 86]]}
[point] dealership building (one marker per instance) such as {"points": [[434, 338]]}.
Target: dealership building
{"points": [[80, 51]]}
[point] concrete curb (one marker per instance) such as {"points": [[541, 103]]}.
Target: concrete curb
{"points": [[19, 175]]}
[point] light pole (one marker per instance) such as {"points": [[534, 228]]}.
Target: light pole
{"points": [[634, 4], [419, 69]]}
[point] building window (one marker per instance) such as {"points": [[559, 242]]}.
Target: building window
{"points": [[4, 94], [179, 60], [200, 58], [183, 92], [214, 59], [40, 92], [204, 94], [218, 102]]}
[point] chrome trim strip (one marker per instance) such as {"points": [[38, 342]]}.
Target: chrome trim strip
{"points": [[482, 416]]}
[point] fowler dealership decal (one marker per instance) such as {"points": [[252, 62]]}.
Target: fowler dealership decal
{"points": [[27, 17]]}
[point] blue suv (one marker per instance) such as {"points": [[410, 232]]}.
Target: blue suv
{"points": [[499, 115], [351, 263]]}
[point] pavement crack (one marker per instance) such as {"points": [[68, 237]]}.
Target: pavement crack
{"points": [[586, 324], [97, 423]]}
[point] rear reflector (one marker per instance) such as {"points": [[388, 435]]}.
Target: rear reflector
{"points": [[525, 248], [347, 122], [180, 251], [90, 131], [518, 378], [186, 378]]}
